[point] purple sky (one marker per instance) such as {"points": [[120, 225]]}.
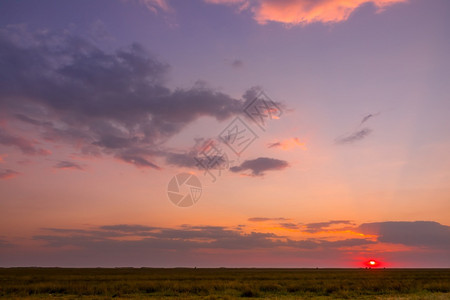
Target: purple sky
{"points": [[344, 157]]}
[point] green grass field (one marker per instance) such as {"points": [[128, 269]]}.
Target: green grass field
{"points": [[184, 283]]}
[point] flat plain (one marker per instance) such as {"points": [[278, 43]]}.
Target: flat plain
{"points": [[223, 283]]}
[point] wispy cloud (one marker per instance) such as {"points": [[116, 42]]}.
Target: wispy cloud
{"points": [[300, 12], [8, 174], [367, 118], [23, 144], [354, 137], [154, 6], [359, 133], [288, 144]]}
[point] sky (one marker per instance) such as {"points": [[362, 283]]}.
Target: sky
{"points": [[225, 133]]}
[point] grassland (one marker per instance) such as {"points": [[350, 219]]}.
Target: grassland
{"points": [[184, 283]]}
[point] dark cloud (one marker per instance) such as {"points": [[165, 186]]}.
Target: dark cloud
{"points": [[191, 157], [354, 137], [170, 238], [418, 233], [317, 244], [8, 174], [201, 156], [182, 159], [185, 237], [114, 103], [65, 164], [138, 161], [142, 245], [260, 165], [347, 243], [320, 226]]}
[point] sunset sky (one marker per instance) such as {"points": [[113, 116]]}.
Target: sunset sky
{"points": [[103, 102]]}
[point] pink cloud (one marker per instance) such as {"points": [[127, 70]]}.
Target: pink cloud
{"points": [[8, 174], [288, 144], [295, 12], [27, 146]]}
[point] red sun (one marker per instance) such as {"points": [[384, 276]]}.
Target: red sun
{"points": [[372, 263]]}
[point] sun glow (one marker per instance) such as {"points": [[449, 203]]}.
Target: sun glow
{"points": [[371, 263]]}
